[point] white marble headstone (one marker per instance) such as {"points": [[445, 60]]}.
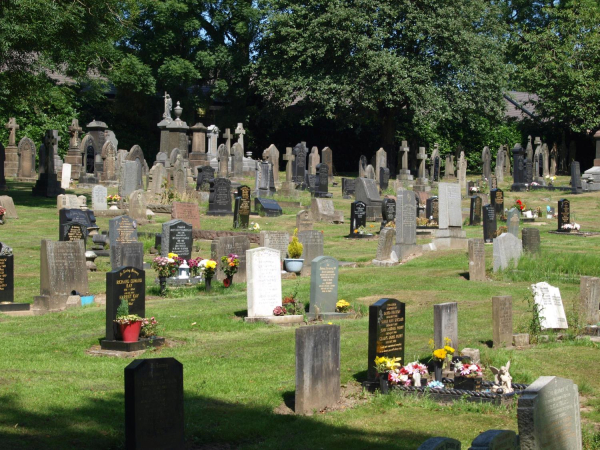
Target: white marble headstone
{"points": [[66, 176], [263, 275], [99, 194], [549, 301]]}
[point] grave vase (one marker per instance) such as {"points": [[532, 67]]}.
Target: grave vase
{"points": [[207, 285], [437, 368], [130, 332], [384, 384], [163, 284], [228, 281]]}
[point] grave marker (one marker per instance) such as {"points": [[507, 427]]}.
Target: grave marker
{"points": [[324, 288], [502, 320], [129, 254], [489, 224], [176, 238], [312, 240], [476, 260], [277, 240], [386, 332], [226, 245], [531, 240], [304, 220], [358, 217], [7, 281], [475, 211], [512, 221], [219, 199], [564, 214], [445, 324], [187, 212], [496, 440], [507, 251], [264, 281], [550, 306], [99, 194]]}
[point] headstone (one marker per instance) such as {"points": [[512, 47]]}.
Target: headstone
{"points": [[67, 201], [385, 255], [187, 212], [575, 178], [384, 178], [406, 223], [450, 220], [317, 368], [348, 187], [304, 220], [564, 214], [358, 216], [381, 163], [499, 171], [519, 172], [550, 306], [512, 221], [486, 159], [176, 238], [7, 203], [322, 181], [129, 178], [299, 163], [313, 160], [370, 173], [138, 206], [388, 211], [476, 260], [432, 209], [99, 194], [154, 417], [312, 240], [436, 168], [7, 281], [86, 218], [496, 440], [367, 192], [548, 415], [502, 321], [445, 324], [238, 160], [327, 158], [475, 211], [219, 201], [323, 287], [440, 443], [129, 254], [65, 176], [497, 201], [264, 281], [122, 229], [362, 166], [531, 240], [47, 184], [589, 300], [226, 245], [206, 176], [507, 251], [489, 224], [267, 207], [276, 240], [462, 172], [27, 154], [386, 332], [245, 205], [73, 231]]}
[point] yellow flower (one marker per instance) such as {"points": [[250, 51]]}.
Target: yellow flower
{"points": [[329, 323], [447, 341], [380, 360], [449, 349], [211, 264], [440, 353], [172, 255]]}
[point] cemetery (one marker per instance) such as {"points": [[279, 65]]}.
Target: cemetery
{"points": [[291, 225]]}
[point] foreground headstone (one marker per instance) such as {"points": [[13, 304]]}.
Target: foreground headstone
{"points": [[176, 238], [264, 281], [445, 324], [476, 260], [317, 368], [324, 288], [440, 443], [124, 283], [154, 417], [219, 199], [496, 440], [386, 332], [512, 221], [507, 251], [548, 415], [550, 306], [502, 320]]}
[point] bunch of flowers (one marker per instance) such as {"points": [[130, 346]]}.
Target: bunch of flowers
{"points": [[148, 327], [571, 226], [473, 189], [113, 198], [165, 266], [550, 180], [342, 306], [292, 306], [405, 375], [468, 370], [519, 205], [440, 354], [208, 267], [230, 264], [390, 224], [254, 226], [279, 311], [360, 230], [194, 265], [385, 365], [2, 210]]}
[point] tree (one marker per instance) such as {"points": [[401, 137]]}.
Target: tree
{"points": [[421, 63]]}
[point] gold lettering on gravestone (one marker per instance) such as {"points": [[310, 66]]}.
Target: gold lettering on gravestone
{"points": [[566, 212], [132, 289], [3, 274], [74, 234], [500, 198], [391, 330], [327, 277], [126, 232]]}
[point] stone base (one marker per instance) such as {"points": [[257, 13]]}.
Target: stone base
{"points": [[47, 186], [403, 251], [337, 217], [219, 213], [330, 316], [421, 187], [141, 344], [110, 212], [404, 176], [387, 263], [453, 232], [43, 304], [518, 187], [278, 320], [520, 340], [12, 307]]}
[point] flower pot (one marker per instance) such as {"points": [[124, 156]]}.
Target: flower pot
{"points": [[293, 265], [467, 384], [437, 367], [228, 281], [130, 332], [207, 285], [384, 384], [163, 284]]}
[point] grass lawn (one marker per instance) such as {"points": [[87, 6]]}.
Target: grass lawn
{"points": [[237, 376]]}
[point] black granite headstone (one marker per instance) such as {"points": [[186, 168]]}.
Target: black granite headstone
{"points": [[206, 176], [384, 178], [432, 209], [236, 212], [322, 187], [575, 178], [311, 182], [564, 213], [219, 199], [244, 193], [86, 218], [126, 283], [154, 417], [358, 216], [388, 211], [497, 201], [73, 231], [7, 276], [267, 207], [386, 332], [299, 164], [177, 238], [528, 171], [519, 169], [489, 223], [436, 169], [475, 212]]}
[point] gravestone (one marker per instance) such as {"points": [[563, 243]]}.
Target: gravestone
{"points": [[550, 306], [206, 176], [327, 158], [317, 368], [99, 194], [156, 180], [368, 193], [507, 251], [245, 206], [519, 175], [313, 160], [449, 205], [121, 230], [385, 255], [589, 300], [129, 254], [432, 209], [445, 324], [7, 203], [154, 414], [322, 189], [531, 240], [362, 166], [267, 207], [384, 178], [130, 178], [138, 206], [440, 443], [388, 211], [312, 240], [86, 218], [324, 288], [225, 246], [475, 211], [238, 160], [564, 214], [7, 281], [497, 201], [493, 182], [348, 187], [575, 178], [476, 260], [489, 224], [62, 271], [311, 183], [47, 184], [177, 238], [304, 220], [187, 212], [27, 154], [299, 163], [436, 168], [381, 163], [276, 240], [512, 221], [219, 200], [73, 231], [264, 281], [68, 201], [486, 159], [65, 180], [386, 332], [406, 224], [370, 173], [502, 321], [358, 217], [548, 415], [496, 440]]}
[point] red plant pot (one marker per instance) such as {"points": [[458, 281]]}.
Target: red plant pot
{"points": [[130, 332]]}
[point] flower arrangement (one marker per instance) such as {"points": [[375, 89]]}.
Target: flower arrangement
{"points": [[408, 374], [550, 180], [165, 266], [390, 224], [113, 198], [254, 226], [279, 311], [360, 230], [292, 306], [468, 370], [230, 264], [384, 365], [2, 210], [295, 247], [194, 265], [520, 205], [571, 226], [473, 189], [148, 327], [342, 306], [208, 268], [441, 354]]}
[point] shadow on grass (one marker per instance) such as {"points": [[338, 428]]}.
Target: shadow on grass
{"points": [[209, 424], [22, 196]]}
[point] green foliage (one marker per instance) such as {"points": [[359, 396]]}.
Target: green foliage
{"points": [[295, 248], [123, 309], [534, 327]]}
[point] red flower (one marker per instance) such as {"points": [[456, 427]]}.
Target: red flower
{"points": [[226, 282]]}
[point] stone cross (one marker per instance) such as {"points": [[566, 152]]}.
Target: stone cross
{"points": [[13, 127], [227, 135], [289, 157], [423, 157], [51, 143], [240, 132], [74, 131], [405, 150]]}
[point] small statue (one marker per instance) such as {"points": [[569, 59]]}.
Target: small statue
{"points": [[168, 106], [417, 379], [502, 379]]}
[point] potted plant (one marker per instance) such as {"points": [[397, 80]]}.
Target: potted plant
{"points": [[130, 325], [229, 266], [467, 376], [165, 267], [293, 263], [208, 268]]}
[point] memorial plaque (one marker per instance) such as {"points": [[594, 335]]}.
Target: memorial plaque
{"points": [[564, 214], [445, 324], [125, 283], [323, 284], [386, 332], [475, 212], [188, 212], [489, 224], [277, 240], [176, 238], [154, 415], [267, 207], [476, 260], [550, 306], [358, 216], [264, 280], [502, 320]]}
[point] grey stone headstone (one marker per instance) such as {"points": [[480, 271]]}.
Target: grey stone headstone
{"points": [[264, 281], [575, 178], [445, 324], [177, 238], [548, 415], [277, 240], [589, 299], [440, 443], [476, 260], [512, 221], [317, 368], [323, 284], [531, 240], [406, 222], [138, 206], [122, 229], [99, 194], [226, 245], [130, 254], [385, 244], [304, 220], [312, 240], [502, 321], [496, 440], [507, 251], [449, 205]]}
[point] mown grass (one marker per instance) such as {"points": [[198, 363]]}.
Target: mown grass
{"points": [[55, 396]]}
